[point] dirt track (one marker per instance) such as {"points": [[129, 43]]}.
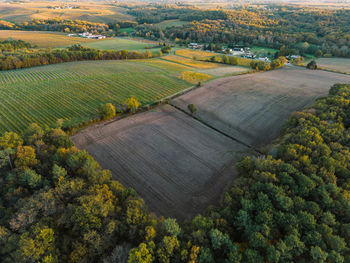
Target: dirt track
{"points": [[253, 107], [178, 165]]}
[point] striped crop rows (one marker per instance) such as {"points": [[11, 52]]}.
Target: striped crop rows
{"points": [[74, 91]]}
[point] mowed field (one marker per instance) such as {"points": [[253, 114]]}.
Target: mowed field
{"points": [[191, 53], [334, 64], [190, 62], [170, 23], [119, 44], [178, 165], [253, 107], [74, 91], [44, 39], [93, 12]]}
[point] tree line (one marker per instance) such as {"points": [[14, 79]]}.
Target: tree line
{"points": [[31, 58], [69, 26], [56, 24], [254, 64], [58, 205], [13, 45]]}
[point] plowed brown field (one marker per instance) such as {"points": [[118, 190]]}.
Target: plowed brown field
{"points": [[178, 165], [253, 107]]}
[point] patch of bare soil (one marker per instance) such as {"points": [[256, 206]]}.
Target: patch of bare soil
{"points": [[178, 165], [253, 107]]}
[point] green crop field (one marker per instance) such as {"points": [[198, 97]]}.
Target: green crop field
{"points": [[127, 30], [261, 50], [119, 44], [74, 91], [170, 23]]}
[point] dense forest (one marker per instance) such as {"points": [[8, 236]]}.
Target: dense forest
{"points": [[304, 29], [21, 57], [58, 205]]}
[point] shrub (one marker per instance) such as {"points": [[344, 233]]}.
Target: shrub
{"points": [[318, 53], [225, 59], [107, 111], [298, 61], [312, 65], [278, 62], [132, 104], [192, 108], [260, 65], [166, 49], [233, 60]]}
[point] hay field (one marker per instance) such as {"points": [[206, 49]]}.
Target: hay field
{"points": [[162, 64], [170, 23], [193, 77], [190, 62], [43, 39], [335, 64], [119, 44], [93, 12], [224, 70], [190, 53], [75, 90], [178, 165], [253, 107]]}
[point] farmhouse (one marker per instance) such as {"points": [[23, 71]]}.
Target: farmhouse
{"points": [[264, 59], [250, 55], [293, 57], [238, 49], [193, 45], [90, 36]]}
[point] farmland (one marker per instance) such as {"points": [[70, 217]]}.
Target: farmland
{"points": [[190, 53], [169, 23], [263, 50], [119, 44], [184, 59], [334, 64], [182, 166], [74, 91], [253, 107], [43, 39], [193, 77], [224, 70], [174, 156], [190, 62], [92, 12]]}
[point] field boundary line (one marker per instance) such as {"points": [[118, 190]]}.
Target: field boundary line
{"points": [[145, 108], [325, 69], [216, 129], [333, 71]]}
